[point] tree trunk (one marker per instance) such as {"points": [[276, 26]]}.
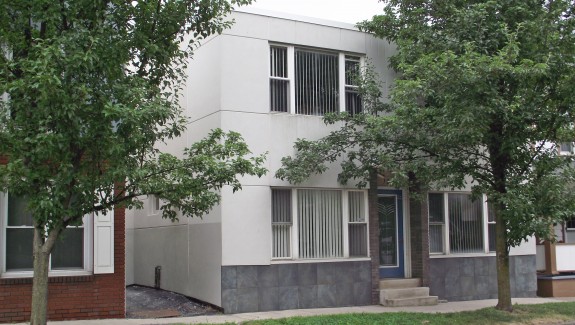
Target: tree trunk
{"points": [[42, 250], [373, 235], [502, 255]]}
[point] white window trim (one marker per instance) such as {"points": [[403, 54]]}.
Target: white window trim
{"points": [[291, 73], [345, 224], [446, 246], [153, 209], [88, 248]]}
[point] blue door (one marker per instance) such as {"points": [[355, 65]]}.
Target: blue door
{"points": [[390, 211]]}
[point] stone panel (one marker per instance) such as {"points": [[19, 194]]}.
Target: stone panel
{"points": [[295, 286], [471, 278]]}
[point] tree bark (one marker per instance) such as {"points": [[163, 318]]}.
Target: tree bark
{"points": [[502, 256], [42, 250], [373, 235]]}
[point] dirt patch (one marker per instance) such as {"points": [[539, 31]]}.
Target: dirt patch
{"points": [[144, 302]]}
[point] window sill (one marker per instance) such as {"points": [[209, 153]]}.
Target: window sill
{"points": [[327, 260], [461, 255], [54, 277]]}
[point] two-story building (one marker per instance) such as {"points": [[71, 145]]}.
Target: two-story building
{"points": [[274, 245]]}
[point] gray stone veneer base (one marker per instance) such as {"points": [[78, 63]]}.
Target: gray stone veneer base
{"points": [[295, 286], [472, 278]]}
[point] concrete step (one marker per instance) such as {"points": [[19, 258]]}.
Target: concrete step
{"points": [[399, 283], [403, 293], [414, 301]]}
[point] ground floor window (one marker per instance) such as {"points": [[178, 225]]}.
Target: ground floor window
{"points": [[319, 224], [570, 224], [460, 224], [16, 224]]}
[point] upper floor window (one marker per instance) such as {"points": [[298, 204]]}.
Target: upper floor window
{"points": [[570, 223], [459, 225], [313, 82], [352, 98]]}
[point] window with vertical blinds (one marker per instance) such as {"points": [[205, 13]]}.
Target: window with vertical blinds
{"points": [[279, 81], [353, 103], [317, 225], [316, 82], [307, 81], [281, 223], [357, 226], [320, 224], [459, 225], [465, 224], [436, 223]]}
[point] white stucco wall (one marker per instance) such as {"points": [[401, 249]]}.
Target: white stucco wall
{"points": [[129, 247], [188, 252], [228, 87]]}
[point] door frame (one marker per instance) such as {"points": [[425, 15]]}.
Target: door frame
{"points": [[397, 271]]}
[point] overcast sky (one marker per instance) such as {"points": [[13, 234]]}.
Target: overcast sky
{"points": [[348, 11]]}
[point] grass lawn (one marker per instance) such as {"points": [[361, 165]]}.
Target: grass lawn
{"points": [[550, 313]]}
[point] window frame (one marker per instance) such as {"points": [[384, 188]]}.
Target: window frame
{"points": [[570, 224], [343, 56], [87, 254], [445, 235], [154, 205], [565, 152], [294, 248]]}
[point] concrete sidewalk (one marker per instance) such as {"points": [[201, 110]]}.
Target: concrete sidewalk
{"points": [[238, 318]]}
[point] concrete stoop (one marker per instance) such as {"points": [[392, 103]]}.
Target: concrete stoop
{"points": [[404, 292]]}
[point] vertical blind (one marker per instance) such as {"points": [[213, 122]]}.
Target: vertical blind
{"points": [[316, 82], [320, 223], [281, 223], [465, 224], [279, 82], [357, 228]]}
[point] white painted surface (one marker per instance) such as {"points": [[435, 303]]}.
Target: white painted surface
{"points": [[129, 246], [205, 262], [228, 87], [104, 242], [565, 257], [165, 247], [540, 258], [246, 226], [525, 248]]}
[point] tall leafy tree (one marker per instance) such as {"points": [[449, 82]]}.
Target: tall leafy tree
{"points": [[483, 96], [89, 88]]}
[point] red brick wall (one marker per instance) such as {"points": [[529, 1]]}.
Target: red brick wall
{"points": [[76, 297]]}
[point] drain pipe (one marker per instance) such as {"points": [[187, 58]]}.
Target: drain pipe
{"points": [[157, 277]]}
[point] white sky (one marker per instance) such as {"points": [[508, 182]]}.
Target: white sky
{"points": [[348, 11]]}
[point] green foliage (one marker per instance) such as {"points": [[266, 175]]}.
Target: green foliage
{"points": [[91, 88], [483, 96], [485, 91]]}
